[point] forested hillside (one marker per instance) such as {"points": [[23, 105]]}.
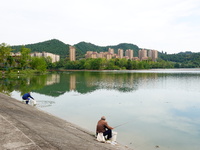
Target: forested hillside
{"points": [[52, 46], [83, 47], [183, 59], [57, 47]]}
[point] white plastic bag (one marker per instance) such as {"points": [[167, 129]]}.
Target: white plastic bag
{"points": [[100, 137], [33, 102], [114, 136]]}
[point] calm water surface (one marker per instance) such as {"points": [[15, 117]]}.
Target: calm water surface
{"points": [[157, 109]]}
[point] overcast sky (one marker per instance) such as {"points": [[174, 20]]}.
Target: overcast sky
{"points": [[171, 26]]}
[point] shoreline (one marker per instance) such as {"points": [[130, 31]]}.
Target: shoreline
{"points": [[26, 127]]}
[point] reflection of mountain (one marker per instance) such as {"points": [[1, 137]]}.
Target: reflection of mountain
{"points": [[55, 89], [73, 81], [55, 84], [85, 82]]}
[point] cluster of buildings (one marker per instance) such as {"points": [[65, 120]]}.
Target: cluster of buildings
{"points": [[129, 54], [145, 54]]}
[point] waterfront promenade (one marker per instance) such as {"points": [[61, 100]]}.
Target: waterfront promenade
{"points": [[24, 127]]}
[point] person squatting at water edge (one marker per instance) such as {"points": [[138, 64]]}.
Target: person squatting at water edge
{"points": [[103, 129], [27, 97]]}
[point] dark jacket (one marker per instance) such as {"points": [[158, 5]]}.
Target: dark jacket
{"points": [[26, 96]]}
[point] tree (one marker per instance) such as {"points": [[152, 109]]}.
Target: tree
{"points": [[111, 65], [96, 64], [70, 65], [25, 57], [4, 54], [10, 61], [123, 63], [81, 63], [135, 64], [140, 65], [129, 65], [87, 64], [49, 62], [38, 63], [61, 63]]}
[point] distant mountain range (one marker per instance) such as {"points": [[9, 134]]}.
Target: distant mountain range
{"points": [[57, 47]]}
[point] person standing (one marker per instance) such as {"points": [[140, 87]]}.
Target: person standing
{"points": [[103, 127], [27, 97]]}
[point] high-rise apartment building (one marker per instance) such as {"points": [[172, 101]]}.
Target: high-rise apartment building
{"points": [[111, 50], [72, 53], [149, 53], [143, 54], [154, 55], [129, 54], [120, 53]]}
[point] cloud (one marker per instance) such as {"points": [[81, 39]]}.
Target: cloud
{"points": [[171, 25]]}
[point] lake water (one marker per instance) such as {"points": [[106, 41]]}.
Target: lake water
{"points": [[156, 109]]}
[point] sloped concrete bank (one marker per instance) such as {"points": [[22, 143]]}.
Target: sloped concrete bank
{"points": [[24, 127]]}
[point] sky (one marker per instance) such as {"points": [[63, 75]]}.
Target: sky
{"points": [[170, 26]]}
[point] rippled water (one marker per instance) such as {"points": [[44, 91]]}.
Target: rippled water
{"points": [[156, 109]]}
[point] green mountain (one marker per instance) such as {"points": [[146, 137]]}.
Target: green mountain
{"points": [[57, 47], [52, 46], [182, 57], [83, 47]]}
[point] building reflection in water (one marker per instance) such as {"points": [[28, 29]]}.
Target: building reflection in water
{"points": [[56, 84], [72, 82], [52, 79]]}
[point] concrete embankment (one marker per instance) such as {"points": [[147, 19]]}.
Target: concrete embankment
{"points": [[24, 127]]}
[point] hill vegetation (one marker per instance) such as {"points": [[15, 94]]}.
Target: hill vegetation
{"points": [[57, 47], [180, 60], [183, 60], [52, 46]]}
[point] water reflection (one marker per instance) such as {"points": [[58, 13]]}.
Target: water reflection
{"points": [[162, 108], [52, 79], [72, 82], [56, 84]]}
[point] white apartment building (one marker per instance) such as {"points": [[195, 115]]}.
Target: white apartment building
{"points": [[54, 57]]}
